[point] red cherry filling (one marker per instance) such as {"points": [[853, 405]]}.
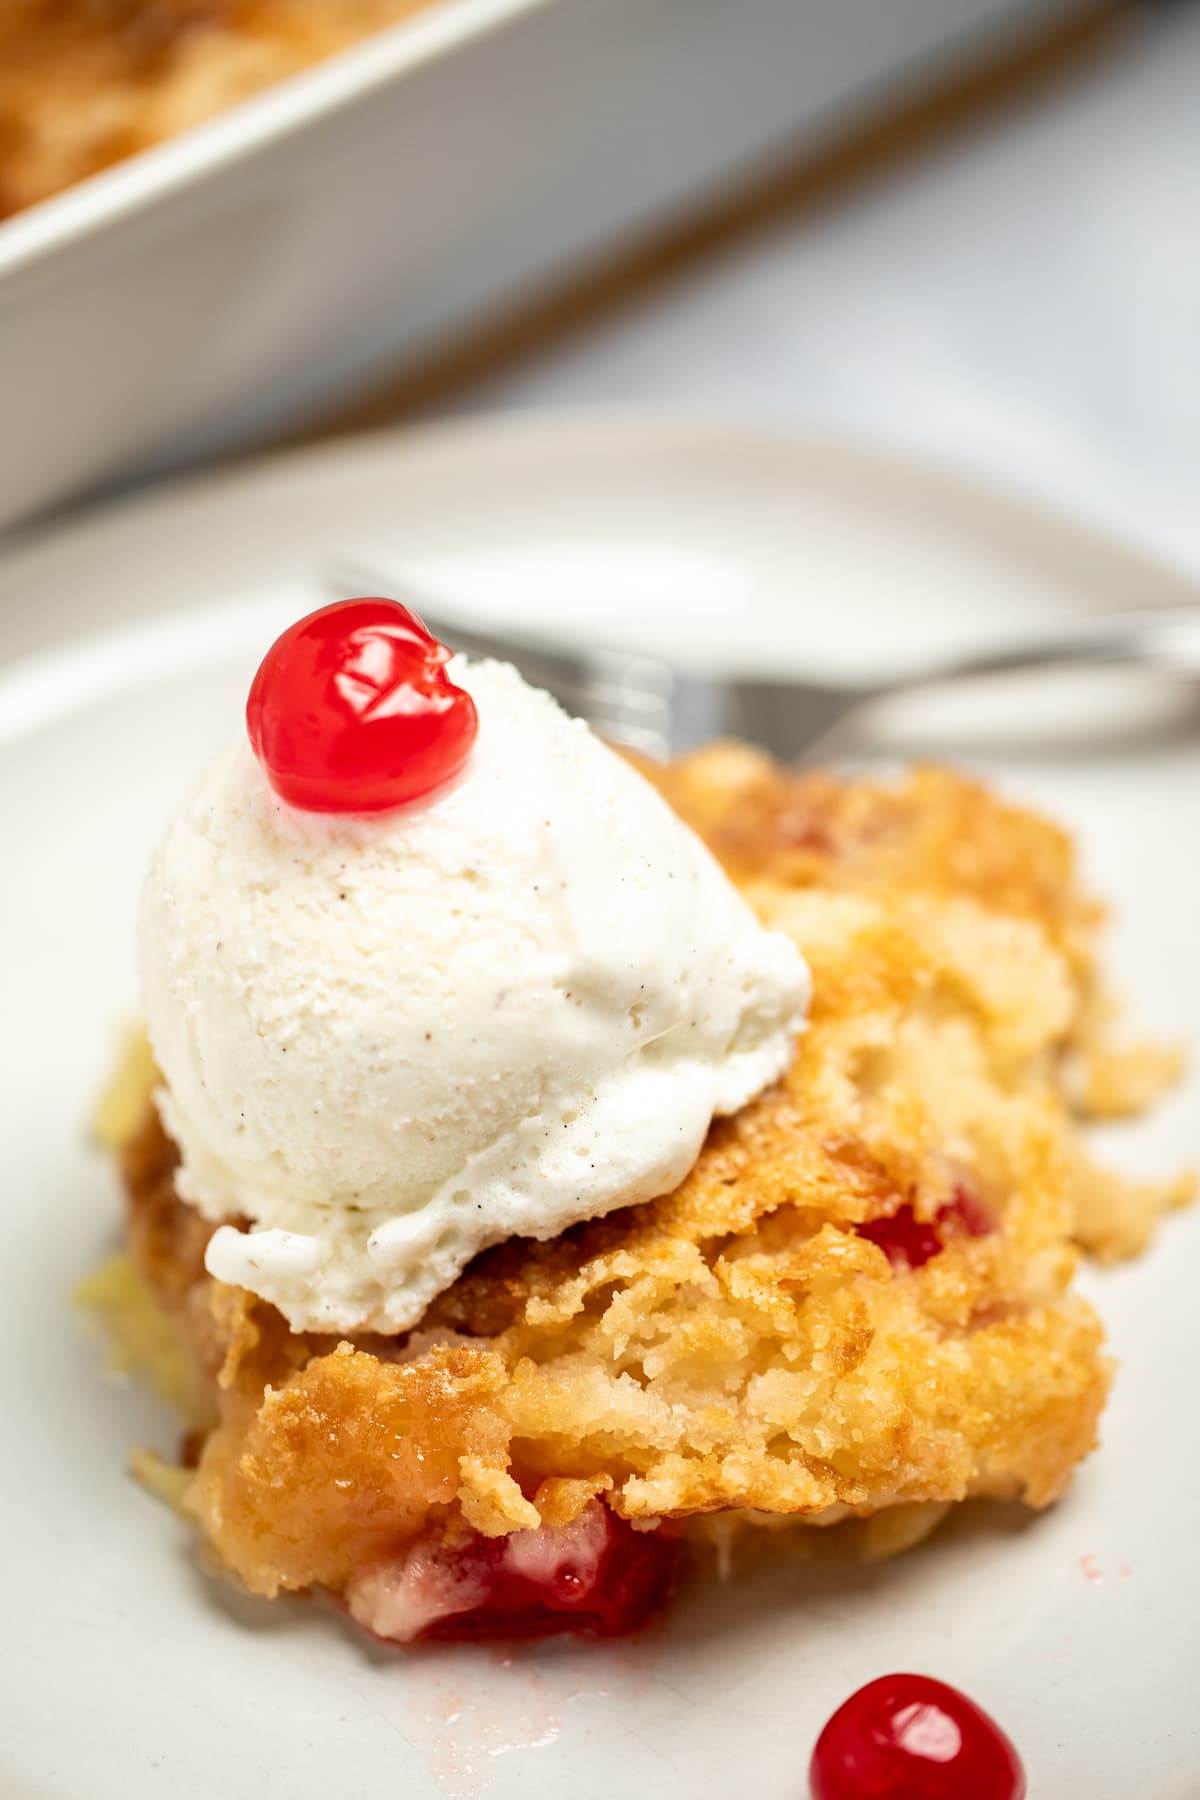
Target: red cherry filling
{"points": [[908, 1737], [908, 1242], [905, 1240], [596, 1574], [352, 710]]}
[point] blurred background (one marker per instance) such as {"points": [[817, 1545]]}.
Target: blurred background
{"points": [[971, 227]]}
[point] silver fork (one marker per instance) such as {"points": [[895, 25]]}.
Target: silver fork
{"points": [[653, 706]]}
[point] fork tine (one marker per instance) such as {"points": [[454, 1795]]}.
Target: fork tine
{"points": [[625, 696], [345, 578]]}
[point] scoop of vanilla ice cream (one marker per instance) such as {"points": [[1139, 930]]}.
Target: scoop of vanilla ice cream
{"points": [[391, 1041]]}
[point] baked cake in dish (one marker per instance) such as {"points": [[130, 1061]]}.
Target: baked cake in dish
{"points": [[854, 1307], [86, 83]]}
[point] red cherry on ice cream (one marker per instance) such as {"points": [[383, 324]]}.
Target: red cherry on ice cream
{"points": [[352, 710], [908, 1737]]}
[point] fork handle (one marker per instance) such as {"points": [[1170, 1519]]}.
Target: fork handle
{"points": [[1164, 639]]}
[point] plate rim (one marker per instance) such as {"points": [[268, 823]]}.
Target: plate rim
{"points": [[580, 432]]}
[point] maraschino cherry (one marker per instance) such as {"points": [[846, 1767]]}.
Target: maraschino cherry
{"points": [[352, 710], [620, 1583], [908, 1737], [597, 1574]]}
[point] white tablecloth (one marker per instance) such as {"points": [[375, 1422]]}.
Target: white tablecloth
{"points": [[1024, 298]]}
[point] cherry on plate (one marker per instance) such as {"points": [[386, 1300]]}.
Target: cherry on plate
{"points": [[909, 1737], [352, 710]]}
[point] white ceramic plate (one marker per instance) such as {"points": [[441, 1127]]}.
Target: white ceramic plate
{"points": [[125, 648]]}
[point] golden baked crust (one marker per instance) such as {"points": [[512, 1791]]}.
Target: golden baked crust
{"points": [[86, 83], [740, 1344]]}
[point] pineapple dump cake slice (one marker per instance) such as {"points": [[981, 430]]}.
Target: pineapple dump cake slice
{"points": [[854, 1302]]}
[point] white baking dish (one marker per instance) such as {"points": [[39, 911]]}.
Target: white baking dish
{"points": [[264, 265]]}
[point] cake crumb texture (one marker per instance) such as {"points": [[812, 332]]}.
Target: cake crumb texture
{"points": [[741, 1347]]}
